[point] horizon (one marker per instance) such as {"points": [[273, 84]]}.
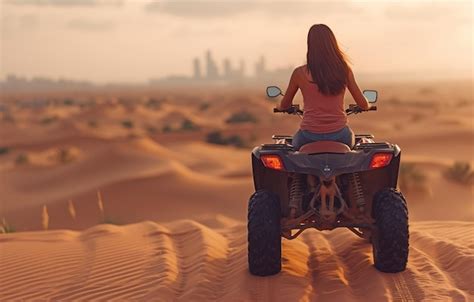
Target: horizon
{"points": [[124, 42]]}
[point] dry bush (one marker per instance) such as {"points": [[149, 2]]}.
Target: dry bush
{"points": [[154, 104], [411, 178], [45, 218], [68, 102], [167, 128], [460, 172], [4, 150], [48, 120], [217, 138], [6, 228], [21, 159], [188, 125], [104, 219], [127, 124], [204, 106], [241, 117], [65, 155]]}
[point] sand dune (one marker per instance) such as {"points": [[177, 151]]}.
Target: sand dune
{"points": [[118, 145], [136, 178], [187, 261]]}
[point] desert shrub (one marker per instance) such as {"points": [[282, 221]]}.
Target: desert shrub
{"points": [[235, 140], [411, 178], [167, 128], [460, 172], [6, 228], [4, 150], [241, 117], [127, 124], [154, 104], [21, 159], [204, 106], [92, 124], [65, 156], [188, 125], [48, 120], [217, 138], [68, 102]]}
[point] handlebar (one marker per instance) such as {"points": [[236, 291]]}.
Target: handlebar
{"points": [[295, 109], [354, 109]]}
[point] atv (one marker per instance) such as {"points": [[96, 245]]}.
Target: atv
{"points": [[326, 185]]}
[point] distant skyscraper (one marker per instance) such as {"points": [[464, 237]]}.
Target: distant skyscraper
{"points": [[260, 67], [212, 72], [196, 68], [242, 68], [227, 69]]}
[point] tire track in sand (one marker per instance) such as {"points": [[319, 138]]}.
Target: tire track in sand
{"points": [[187, 261]]}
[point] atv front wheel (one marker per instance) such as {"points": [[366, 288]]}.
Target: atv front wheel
{"points": [[264, 237], [390, 238]]}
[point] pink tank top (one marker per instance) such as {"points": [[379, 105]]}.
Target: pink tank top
{"points": [[322, 113]]}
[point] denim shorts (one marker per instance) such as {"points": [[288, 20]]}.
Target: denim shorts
{"points": [[303, 137]]}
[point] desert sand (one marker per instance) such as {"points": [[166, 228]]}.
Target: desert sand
{"points": [[188, 261], [120, 198]]}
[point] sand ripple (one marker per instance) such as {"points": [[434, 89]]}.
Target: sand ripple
{"points": [[188, 261]]}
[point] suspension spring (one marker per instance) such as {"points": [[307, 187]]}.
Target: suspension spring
{"points": [[296, 192], [357, 192]]}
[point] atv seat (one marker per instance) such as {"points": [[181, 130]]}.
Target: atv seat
{"points": [[324, 147]]}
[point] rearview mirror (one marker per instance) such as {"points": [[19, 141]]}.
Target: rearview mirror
{"points": [[370, 95], [273, 91]]}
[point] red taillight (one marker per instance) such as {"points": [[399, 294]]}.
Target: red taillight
{"points": [[272, 161], [380, 160]]}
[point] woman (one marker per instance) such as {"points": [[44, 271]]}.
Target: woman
{"points": [[323, 81]]}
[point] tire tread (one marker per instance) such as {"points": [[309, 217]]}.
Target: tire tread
{"points": [[264, 234]]}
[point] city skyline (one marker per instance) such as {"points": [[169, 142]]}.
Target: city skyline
{"points": [[138, 40], [225, 71]]}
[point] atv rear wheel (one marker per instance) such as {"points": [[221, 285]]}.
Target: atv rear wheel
{"points": [[390, 238], [264, 234]]}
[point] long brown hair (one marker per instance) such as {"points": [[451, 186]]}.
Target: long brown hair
{"points": [[326, 63]]}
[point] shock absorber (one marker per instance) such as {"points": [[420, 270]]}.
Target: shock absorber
{"points": [[357, 192], [296, 194]]}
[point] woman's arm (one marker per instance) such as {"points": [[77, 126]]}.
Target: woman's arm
{"points": [[287, 100], [354, 89]]}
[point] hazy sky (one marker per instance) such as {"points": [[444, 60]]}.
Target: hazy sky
{"points": [[134, 40]]}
